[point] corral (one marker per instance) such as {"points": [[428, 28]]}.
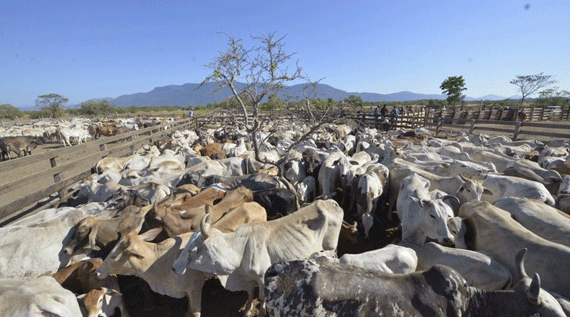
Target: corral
{"points": [[354, 161]]}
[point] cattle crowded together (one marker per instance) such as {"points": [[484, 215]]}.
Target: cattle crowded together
{"points": [[338, 220], [19, 140]]}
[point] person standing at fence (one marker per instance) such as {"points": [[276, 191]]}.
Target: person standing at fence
{"points": [[383, 112], [191, 113], [394, 116]]}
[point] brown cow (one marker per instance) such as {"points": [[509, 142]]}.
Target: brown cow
{"points": [[21, 145], [211, 150], [96, 233], [176, 222]]}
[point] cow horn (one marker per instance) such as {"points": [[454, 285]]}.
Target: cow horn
{"points": [[455, 203], [205, 226], [519, 263], [533, 291]]}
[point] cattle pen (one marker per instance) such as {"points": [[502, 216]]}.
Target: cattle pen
{"points": [[43, 180]]}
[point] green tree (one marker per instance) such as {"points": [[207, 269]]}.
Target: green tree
{"points": [[96, 108], [554, 97], [354, 101], [8, 111], [453, 87], [51, 104]]}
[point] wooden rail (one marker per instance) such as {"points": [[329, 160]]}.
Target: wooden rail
{"points": [[25, 181]]}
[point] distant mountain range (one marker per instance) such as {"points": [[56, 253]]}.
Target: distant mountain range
{"points": [[189, 95]]}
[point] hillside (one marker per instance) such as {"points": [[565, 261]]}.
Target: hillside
{"points": [[189, 95]]}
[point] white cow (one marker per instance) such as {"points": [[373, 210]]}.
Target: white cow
{"points": [[479, 269], [510, 186], [33, 248], [422, 217], [38, 297], [538, 217], [245, 255], [392, 258]]}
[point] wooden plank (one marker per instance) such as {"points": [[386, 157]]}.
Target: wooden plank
{"points": [[546, 125], [6, 188], [7, 209]]}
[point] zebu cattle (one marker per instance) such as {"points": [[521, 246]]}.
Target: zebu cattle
{"points": [[21, 259], [505, 186], [66, 134], [252, 181], [245, 255], [320, 288], [21, 145], [95, 233], [478, 269], [465, 189], [543, 220], [370, 190], [421, 216], [276, 201], [493, 231], [102, 302], [38, 297], [135, 255], [80, 277], [116, 164], [180, 202], [392, 258], [331, 173], [307, 190], [99, 297], [175, 222]]}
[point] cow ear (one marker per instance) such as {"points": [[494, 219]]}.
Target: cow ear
{"points": [[487, 191], [151, 234], [534, 290], [92, 244]]}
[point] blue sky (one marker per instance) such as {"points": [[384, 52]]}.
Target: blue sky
{"points": [[91, 49]]}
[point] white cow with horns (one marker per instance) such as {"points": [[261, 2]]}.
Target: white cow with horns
{"points": [[244, 255]]}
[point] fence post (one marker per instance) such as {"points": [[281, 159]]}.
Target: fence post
{"points": [[517, 130], [472, 127]]}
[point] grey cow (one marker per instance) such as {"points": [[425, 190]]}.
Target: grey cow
{"points": [[321, 288]]}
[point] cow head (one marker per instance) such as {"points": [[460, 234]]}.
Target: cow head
{"points": [[208, 250], [471, 190], [537, 298], [435, 215], [128, 254], [83, 236], [100, 302]]}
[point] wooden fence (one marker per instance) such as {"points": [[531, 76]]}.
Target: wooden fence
{"points": [[25, 181]]}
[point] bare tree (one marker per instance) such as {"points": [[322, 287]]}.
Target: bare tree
{"points": [[263, 69], [310, 91], [530, 84]]}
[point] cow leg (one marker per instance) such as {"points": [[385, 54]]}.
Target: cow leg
{"points": [[261, 285], [195, 298], [249, 305]]}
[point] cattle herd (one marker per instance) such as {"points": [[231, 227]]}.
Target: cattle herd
{"points": [[331, 220], [19, 140]]}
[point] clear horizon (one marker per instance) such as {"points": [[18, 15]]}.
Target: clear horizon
{"points": [[95, 49]]}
